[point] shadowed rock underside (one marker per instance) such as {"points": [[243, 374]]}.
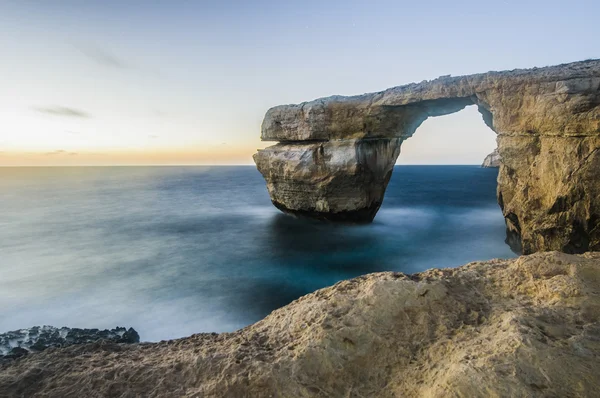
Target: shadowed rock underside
{"points": [[525, 327], [335, 155]]}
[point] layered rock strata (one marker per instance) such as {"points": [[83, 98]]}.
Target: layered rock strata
{"points": [[335, 155], [525, 327]]}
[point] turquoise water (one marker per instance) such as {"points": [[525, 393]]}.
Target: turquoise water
{"points": [[173, 251]]}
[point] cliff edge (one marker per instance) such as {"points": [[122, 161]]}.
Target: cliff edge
{"points": [[522, 327]]}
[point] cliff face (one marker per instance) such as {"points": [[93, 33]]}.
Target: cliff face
{"points": [[335, 155], [492, 160], [526, 327]]}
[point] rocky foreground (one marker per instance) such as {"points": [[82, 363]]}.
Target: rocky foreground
{"points": [[523, 327]]}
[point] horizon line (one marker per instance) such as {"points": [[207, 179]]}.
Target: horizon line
{"points": [[206, 165]]}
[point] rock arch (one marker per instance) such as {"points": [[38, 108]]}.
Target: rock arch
{"points": [[335, 155]]}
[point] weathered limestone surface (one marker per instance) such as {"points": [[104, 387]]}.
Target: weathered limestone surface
{"points": [[526, 327], [492, 160], [335, 155], [337, 180]]}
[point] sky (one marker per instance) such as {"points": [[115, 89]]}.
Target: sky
{"points": [[188, 82]]}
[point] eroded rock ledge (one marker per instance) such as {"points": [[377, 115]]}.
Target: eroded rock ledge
{"points": [[522, 327], [335, 155]]}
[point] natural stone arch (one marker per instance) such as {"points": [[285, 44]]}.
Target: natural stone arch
{"points": [[335, 155]]}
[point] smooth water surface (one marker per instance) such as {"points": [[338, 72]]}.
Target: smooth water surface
{"points": [[173, 251]]}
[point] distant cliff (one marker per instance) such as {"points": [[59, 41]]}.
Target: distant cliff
{"points": [[492, 160]]}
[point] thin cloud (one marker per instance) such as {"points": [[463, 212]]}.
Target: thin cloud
{"points": [[62, 111], [60, 152], [152, 136], [102, 57]]}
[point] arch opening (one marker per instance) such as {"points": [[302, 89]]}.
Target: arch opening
{"points": [[451, 138], [439, 176]]}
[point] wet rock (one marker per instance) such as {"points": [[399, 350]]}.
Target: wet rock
{"points": [[16, 352], [17, 343]]}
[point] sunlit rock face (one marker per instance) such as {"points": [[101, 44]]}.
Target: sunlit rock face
{"points": [[335, 155]]}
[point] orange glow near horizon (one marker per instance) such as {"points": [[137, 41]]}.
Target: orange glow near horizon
{"points": [[459, 138], [167, 157]]}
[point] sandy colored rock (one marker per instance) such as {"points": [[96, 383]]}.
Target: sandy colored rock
{"points": [[548, 126], [526, 327], [557, 100]]}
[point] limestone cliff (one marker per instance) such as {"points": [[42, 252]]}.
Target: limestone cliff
{"points": [[335, 154], [526, 327], [492, 160]]}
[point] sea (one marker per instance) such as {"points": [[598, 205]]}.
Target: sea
{"points": [[173, 251]]}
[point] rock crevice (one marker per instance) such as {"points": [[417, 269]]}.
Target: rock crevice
{"points": [[335, 155]]}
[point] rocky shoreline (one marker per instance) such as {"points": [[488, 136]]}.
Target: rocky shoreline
{"points": [[18, 343], [528, 326]]}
